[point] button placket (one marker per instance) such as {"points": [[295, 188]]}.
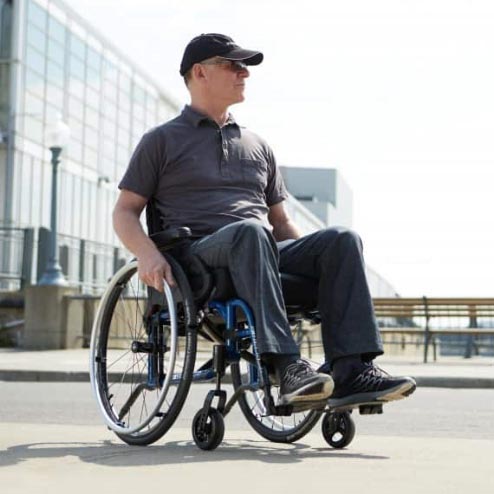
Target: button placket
{"points": [[224, 154]]}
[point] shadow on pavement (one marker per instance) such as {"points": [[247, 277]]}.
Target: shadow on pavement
{"points": [[120, 455]]}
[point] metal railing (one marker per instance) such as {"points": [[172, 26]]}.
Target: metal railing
{"points": [[87, 264], [16, 251]]}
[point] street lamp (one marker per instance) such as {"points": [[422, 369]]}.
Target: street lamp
{"points": [[57, 137]]}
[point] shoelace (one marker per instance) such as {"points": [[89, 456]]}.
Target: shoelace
{"points": [[374, 370], [298, 369]]}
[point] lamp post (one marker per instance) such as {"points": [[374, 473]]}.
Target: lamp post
{"points": [[57, 137]]}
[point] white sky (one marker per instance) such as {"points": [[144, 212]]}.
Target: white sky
{"points": [[396, 94]]}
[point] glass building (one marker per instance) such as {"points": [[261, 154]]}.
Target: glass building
{"points": [[52, 62]]}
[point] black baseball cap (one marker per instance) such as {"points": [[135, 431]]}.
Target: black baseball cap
{"points": [[216, 45]]}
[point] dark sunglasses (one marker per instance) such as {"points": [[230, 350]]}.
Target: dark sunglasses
{"points": [[233, 65]]}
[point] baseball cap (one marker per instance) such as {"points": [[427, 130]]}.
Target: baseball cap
{"points": [[216, 45]]}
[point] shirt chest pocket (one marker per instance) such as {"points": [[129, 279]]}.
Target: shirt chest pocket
{"points": [[254, 173]]}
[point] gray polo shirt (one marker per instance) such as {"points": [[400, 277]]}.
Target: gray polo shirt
{"points": [[203, 176]]}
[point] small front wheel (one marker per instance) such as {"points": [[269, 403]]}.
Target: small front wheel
{"points": [[208, 429], [338, 429]]}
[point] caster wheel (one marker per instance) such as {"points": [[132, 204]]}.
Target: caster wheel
{"points": [[208, 429], [338, 429]]}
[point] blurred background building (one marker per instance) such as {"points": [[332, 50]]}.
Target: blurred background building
{"points": [[53, 62]]}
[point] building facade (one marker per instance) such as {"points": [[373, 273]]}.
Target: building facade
{"points": [[52, 62]]}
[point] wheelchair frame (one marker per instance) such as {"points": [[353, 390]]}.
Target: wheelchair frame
{"points": [[157, 338]]}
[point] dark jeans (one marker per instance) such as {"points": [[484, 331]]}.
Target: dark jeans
{"points": [[332, 256]]}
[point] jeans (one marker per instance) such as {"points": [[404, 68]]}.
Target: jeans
{"points": [[332, 256]]}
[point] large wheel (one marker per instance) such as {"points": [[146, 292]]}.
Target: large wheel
{"points": [[142, 355], [276, 428]]}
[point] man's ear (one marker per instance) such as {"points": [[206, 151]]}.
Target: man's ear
{"points": [[199, 72]]}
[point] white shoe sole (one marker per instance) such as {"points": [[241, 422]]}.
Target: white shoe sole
{"points": [[303, 394]]}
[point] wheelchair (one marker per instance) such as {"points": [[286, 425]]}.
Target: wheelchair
{"points": [[144, 345]]}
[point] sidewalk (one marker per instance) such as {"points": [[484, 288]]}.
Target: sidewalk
{"points": [[73, 365]]}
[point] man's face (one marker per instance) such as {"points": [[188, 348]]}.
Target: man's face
{"points": [[225, 80]]}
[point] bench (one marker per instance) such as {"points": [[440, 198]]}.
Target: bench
{"points": [[431, 317]]}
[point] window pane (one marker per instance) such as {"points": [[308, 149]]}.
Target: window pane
{"points": [[35, 60], [76, 87], [92, 117], [33, 104], [76, 108], [139, 95], [76, 68], [51, 113], [107, 167], [124, 101], [56, 52], [56, 30], [124, 120], [35, 83], [125, 83], [110, 92], [94, 59], [122, 157], [54, 73], [75, 150], [54, 96], [91, 158], [25, 191], [36, 14], [110, 111], [36, 37], [93, 77], [111, 72], [109, 149], [77, 47], [92, 98], [33, 128], [76, 129], [85, 209], [91, 138]]}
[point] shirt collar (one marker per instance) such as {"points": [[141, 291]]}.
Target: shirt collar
{"points": [[195, 117]]}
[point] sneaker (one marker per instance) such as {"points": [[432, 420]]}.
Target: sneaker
{"points": [[300, 383], [369, 386]]}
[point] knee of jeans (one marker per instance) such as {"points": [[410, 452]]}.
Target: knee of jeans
{"points": [[349, 239], [252, 228]]}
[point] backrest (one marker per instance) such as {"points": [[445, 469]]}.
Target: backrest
{"points": [[153, 221]]}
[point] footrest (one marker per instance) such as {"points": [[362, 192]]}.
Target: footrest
{"points": [[370, 409]]}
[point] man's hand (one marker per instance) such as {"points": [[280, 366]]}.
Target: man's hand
{"points": [[152, 269]]}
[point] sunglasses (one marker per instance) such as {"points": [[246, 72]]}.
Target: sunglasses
{"points": [[233, 65]]}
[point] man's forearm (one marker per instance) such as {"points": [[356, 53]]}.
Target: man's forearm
{"points": [[129, 230]]}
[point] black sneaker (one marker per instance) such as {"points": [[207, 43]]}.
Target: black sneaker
{"points": [[370, 385], [301, 383]]}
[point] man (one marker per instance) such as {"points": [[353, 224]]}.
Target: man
{"points": [[206, 172]]}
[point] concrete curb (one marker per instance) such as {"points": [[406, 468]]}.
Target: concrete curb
{"points": [[62, 376]]}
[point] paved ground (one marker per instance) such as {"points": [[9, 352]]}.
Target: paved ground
{"points": [[61, 459], [72, 365], [52, 440]]}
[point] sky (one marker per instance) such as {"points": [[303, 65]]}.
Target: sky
{"points": [[398, 95]]}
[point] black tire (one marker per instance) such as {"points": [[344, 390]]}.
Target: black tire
{"points": [[279, 429], [119, 373], [208, 429], [338, 429]]}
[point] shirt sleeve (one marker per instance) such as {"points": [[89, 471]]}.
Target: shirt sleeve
{"points": [[275, 189], [142, 174]]}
